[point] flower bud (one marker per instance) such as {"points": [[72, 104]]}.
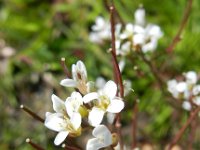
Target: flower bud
{"points": [[115, 139]]}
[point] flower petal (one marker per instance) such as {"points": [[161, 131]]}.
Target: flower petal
{"points": [[76, 120], [94, 144], [90, 96], [68, 83], [54, 122], [115, 106], [103, 134], [95, 116], [58, 104], [110, 89], [140, 16], [61, 136]]}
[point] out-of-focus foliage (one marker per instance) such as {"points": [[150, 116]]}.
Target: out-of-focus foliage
{"points": [[41, 32]]}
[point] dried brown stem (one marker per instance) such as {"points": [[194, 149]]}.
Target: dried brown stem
{"points": [[34, 145], [34, 115], [134, 125], [113, 52], [116, 12], [65, 69], [191, 136], [184, 127], [177, 38], [117, 74]]}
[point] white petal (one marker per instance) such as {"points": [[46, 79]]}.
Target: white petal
{"points": [[110, 117], [89, 97], [150, 46], [94, 144], [115, 106], [61, 136], [81, 67], [139, 39], [121, 65], [191, 77], [95, 116], [153, 31], [181, 87], [58, 104], [110, 89], [68, 83], [48, 114], [140, 16], [103, 134], [54, 122], [186, 105], [76, 120], [100, 82]]}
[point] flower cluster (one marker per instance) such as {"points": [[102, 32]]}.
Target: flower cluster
{"points": [[138, 36], [84, 104], [187, 90]]}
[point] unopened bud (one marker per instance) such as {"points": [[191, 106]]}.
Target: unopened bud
{"points": [[83, 111], [115, 139]]}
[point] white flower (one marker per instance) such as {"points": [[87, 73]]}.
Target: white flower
{"points": [[196, 90], [140, 16], [79, 75], [100, 31], [103, 138], [73, 103], [104, 101], [171, 86], [128, 32], [61, 123], [191, 77], [186, 105]]}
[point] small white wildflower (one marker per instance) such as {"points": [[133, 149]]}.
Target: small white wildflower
{"points": [[105, 101], [186, 105], [61, 123], [103, 138], [79, 78], [191, 77], [140, 16], [100, 31]]}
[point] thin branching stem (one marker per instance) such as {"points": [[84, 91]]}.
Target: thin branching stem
{"points": [[183, 23], [134, 125], [65, 69], [34, 145], [184, 127], [153, 69], [113, 52], [30, 112], [117, 74]]}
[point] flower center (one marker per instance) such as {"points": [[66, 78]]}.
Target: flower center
{"points": [[104, 102]]}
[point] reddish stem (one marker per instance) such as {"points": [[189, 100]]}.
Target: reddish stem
{"points": [[34, 145], [184, 127], [117, 74], [34, 115], [65, 69], [134, 125], [181, 27]]}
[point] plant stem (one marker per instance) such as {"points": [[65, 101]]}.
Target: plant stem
{"points": [[177, 38], [117, 73], [65, 69], [34, 145], [134, 125], [34, 115], [184, 127]]}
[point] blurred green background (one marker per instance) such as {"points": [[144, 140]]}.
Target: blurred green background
{"points": [[35, 34]]}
